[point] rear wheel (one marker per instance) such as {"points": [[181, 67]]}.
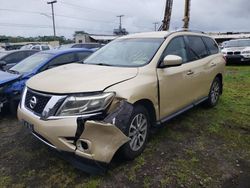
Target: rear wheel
{"points": [[214, 93], [137, 131]]}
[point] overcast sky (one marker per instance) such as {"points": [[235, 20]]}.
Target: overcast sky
{"points": [[33, 17]]}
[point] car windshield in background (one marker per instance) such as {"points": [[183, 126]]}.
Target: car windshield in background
{"points": [[30, 63], [126, 52], [65, 46], [3, 54], [238, 43]]}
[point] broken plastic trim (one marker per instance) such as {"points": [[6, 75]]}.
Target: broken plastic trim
{"points": [[120, 116], [104, 137]]}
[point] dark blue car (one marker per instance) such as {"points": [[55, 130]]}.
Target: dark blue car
{"points": [[12, 81]]}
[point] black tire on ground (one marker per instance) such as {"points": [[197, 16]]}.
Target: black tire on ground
{"points": [[13, 107], [138, 134], [214, 93]]}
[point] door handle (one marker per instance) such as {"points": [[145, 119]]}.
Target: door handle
{"points": [[190, 72], [212, 64]]}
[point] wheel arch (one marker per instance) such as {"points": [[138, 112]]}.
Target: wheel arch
{"points": [[221, 81], [148, 104]]}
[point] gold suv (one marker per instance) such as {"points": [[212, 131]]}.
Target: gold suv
{"points": [[112, 99]]}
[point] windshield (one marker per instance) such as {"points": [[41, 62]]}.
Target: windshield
{"points": [[30, 63], [238, 43], [126, 52], [3, 54]]}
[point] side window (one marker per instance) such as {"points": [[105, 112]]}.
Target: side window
{"points": [[197, 49], [45, 48], [83, 55], [211, 45], [63, 59], [36, 48], [14, 57], [29, 53], [176, 47]]}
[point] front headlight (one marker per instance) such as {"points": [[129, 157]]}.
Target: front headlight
{"points": [[82, 104]]}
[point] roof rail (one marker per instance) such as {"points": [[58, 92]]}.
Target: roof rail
{"points": [[189, 30]]}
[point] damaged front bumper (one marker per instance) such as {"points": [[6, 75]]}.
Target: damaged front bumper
{"points": [[96, 140]]}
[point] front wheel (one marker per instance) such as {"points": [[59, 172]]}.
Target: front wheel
{"points": [[214, 93], [137, 130]]}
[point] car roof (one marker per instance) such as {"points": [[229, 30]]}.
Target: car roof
{"points": [[162, 34], [68, 50]]}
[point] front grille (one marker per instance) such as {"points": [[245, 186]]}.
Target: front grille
{"points": [[41, 102], [230, 53], [236, 53]]}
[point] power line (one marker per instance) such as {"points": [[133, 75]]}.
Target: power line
{"points": [[58, 15], [84, 7], [46, 27]]}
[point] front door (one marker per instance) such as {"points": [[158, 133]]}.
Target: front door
{"points": [[175, 83]]}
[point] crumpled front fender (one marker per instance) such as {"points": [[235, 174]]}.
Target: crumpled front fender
{"points": [[101, 141]]}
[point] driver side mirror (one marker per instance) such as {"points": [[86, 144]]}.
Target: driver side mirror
{"points": [[172, 60]]}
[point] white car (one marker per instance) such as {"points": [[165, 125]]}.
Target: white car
{"points": [[42, 47], [237, 50]]}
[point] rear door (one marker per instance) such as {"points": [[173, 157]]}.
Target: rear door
{"points": [[198, 56]]}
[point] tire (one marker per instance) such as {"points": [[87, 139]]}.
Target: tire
{"points": [[138, 132], [214, 93], [13, 107]]}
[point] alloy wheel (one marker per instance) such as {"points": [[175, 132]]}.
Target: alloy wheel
{"points": [[138, 131]]}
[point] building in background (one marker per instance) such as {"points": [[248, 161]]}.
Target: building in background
{"points": [[221, 37], [82, 37]]}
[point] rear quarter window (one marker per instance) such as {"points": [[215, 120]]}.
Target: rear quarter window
{"points": [[211, 45]]}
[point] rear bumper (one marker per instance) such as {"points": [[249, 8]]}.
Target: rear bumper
{"points": [[92, 140]]}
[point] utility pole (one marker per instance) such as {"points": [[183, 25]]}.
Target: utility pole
{"points": [[186, 14], [120, 17], [53, 16], [167, 16], [155, 24]]}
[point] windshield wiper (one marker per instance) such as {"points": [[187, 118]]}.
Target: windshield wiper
{"points": [[13, 71], [103, 64]]}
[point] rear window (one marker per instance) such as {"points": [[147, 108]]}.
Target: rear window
{"points": [[211, 45], [197, 48]]}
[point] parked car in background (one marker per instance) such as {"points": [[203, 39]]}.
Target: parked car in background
{"points": [[27, 47], [237, 50], [111, 101], [41, 47], [12, 81], [82, 45], [10, 58]]}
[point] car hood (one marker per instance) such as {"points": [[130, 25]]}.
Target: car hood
{"points": [[79, 78], [234, 49], [6, 77]]}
